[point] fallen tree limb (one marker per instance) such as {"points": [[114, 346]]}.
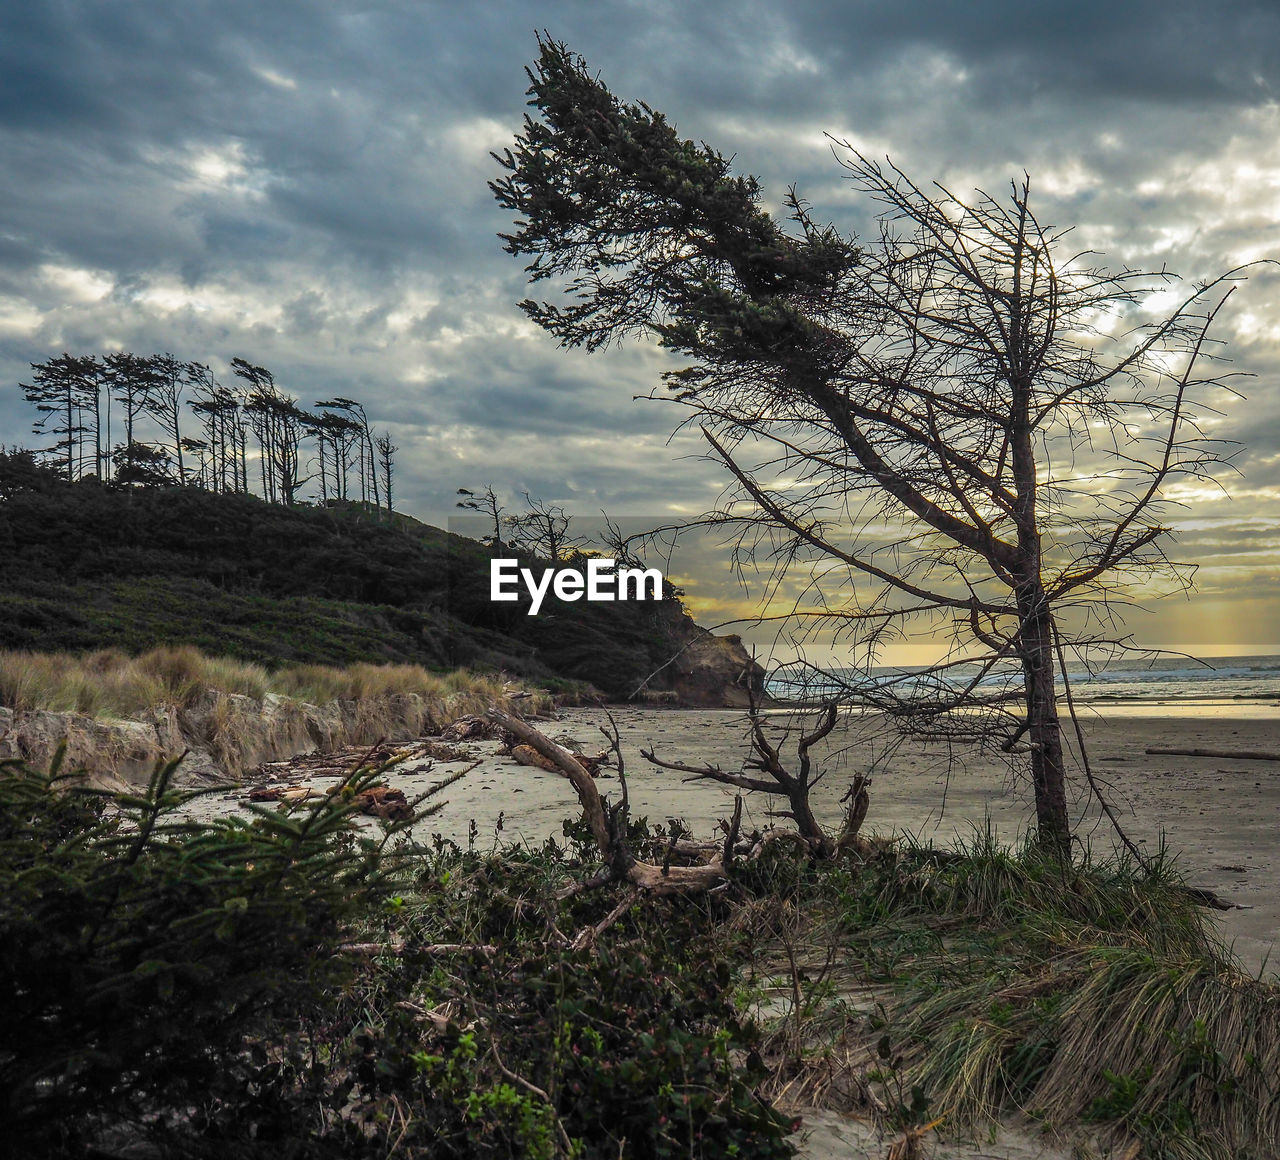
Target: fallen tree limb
{"points": [[609, 837], [792, 786], [1229, 754], [1202, 897], [588, 935]]}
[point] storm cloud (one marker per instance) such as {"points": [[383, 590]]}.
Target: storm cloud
{"points": [[304, 184]]}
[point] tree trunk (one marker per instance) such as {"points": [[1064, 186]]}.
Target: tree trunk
{"points": [[1048, 771], [806, 823]]}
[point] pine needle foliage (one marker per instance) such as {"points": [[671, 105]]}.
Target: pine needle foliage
{"points": [[144, 956]]}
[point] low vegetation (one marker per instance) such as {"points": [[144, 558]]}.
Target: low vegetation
{"points": [[110, 683], [1095, 1001], [288, 986]]}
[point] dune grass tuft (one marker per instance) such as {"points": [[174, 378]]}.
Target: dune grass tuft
{"points": [[983, 983]]}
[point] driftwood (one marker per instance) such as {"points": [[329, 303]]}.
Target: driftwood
{"points": [[527, 755], [345, 761], [283, 793], [379, 801], [383, 801], [1229, 754], [711, 861], [607, 824], [468, 729], [399, 948], [793, 786]]}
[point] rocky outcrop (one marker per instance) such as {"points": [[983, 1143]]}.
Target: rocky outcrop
{"points": [[713, 672], [220, 737]]}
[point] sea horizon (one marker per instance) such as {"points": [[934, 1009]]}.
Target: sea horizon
{"points": [[1165, 680]]}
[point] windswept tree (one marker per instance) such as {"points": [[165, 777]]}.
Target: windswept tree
{"points": [[64, 390], [487, 504], [368, 463], [142, 465], [131, 379], [164, 402], [223, 467], [542, 530], [280, 426], [336, 437], [203, 474], [962, 423]]}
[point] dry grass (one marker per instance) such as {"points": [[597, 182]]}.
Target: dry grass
{"points": [[1182, 1055], [110, 683], [1095, 999]]}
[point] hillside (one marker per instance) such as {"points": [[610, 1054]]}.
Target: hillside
{"points": [[88, 566]]}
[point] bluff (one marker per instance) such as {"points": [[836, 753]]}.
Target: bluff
{"points": [[88, 566]]}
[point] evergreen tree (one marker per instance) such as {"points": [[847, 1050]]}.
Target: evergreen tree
{"points": [[62, 389]]}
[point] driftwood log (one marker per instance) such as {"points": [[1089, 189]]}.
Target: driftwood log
{"points": [[712, 861], [608, 824], [528, 755]]}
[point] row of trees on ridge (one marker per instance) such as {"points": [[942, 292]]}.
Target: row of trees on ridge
{"points": [[150, 420]]}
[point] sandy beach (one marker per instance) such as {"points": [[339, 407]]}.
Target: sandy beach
{"points": [[1219, 816]]}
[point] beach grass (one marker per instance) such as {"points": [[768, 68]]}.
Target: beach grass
{"points": [[113, 683], [983, 984]]}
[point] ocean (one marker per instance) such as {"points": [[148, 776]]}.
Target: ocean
{"points": [[1165, 680]]}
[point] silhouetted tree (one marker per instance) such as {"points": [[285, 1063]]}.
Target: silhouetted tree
{"points": [[141, 465], [386, 463], [485, 502], [164, 403], [131, 380], [935, 421], [280, 427], [62, 389], [542, 529], [355, 412], [220, 411]]}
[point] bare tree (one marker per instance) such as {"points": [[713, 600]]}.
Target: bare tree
{"points": [[962, 424], [542, 530], [487, 503], [386, 464], [771, 776]]}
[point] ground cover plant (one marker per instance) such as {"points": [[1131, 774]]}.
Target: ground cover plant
{"points": [[286, 986], [191, 990], [982, 983]]}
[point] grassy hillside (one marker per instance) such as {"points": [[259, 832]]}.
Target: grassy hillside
{"points": [[90, 567]]}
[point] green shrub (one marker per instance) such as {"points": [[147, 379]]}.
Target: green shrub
{"points": [[184, 985], [146, 960]]}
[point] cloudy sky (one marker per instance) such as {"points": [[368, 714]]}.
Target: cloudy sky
{"points": [[303, 184]]}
